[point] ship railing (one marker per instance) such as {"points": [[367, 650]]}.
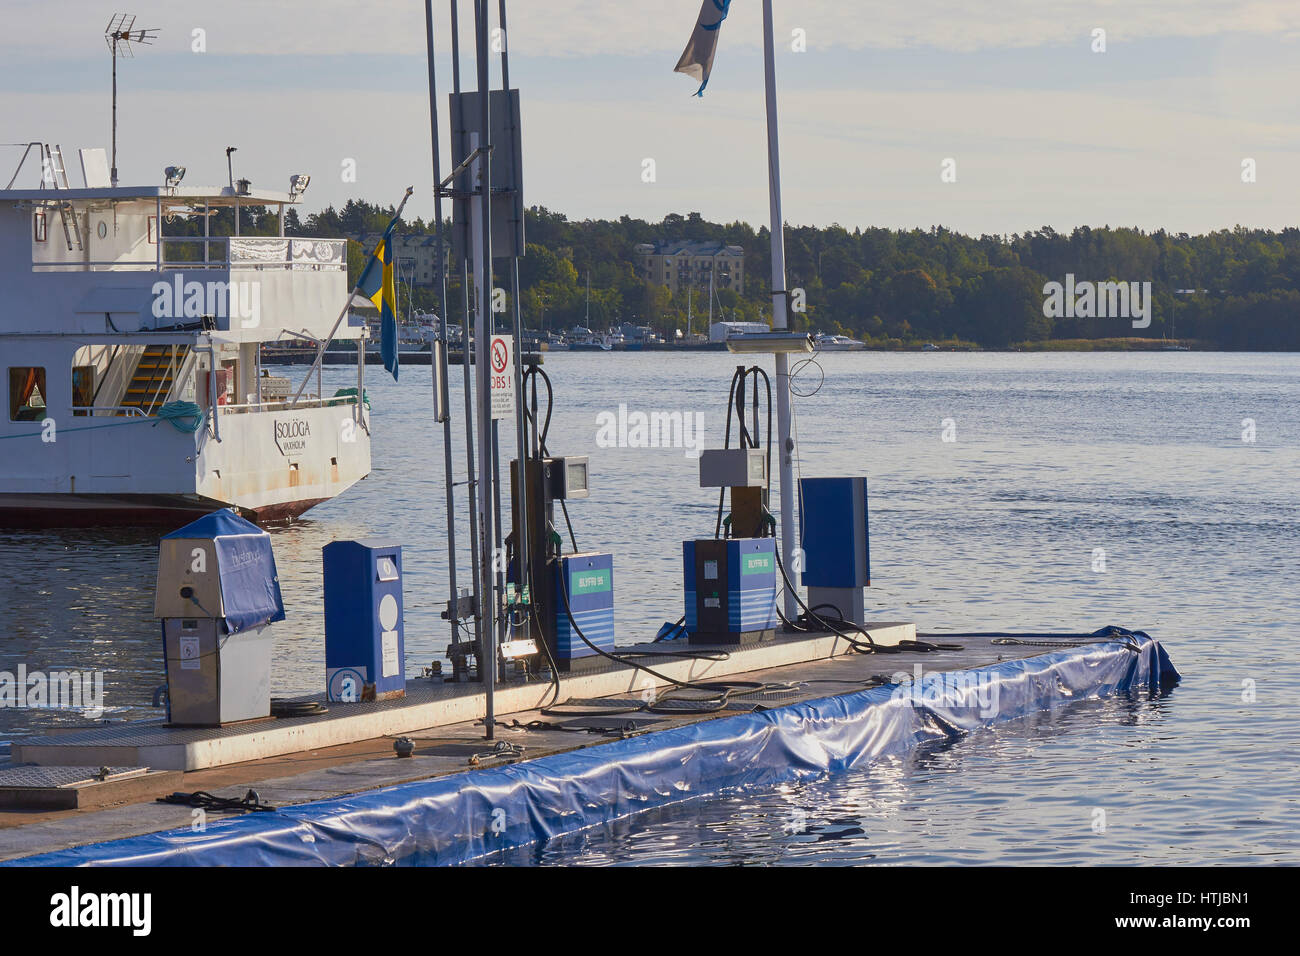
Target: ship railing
{"points": [[259, 254], [115, 411], [279, 405], [252, 252]]}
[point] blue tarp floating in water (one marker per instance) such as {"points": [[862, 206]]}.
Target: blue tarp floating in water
{"points": [[463, 816], [250, 586]]}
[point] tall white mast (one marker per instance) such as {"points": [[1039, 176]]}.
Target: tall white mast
{"points": [[785, 446]]}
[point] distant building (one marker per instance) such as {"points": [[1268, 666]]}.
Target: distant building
{"points": [[687, 263], [721, 331], [416, 256]]}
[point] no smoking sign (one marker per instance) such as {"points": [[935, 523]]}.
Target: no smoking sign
{"points": [[501, 353]]}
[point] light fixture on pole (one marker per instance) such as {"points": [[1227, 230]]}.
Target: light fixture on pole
{"points": [[174, 175], [119, 35], [230, 166], [298, 183], [780, 343]]}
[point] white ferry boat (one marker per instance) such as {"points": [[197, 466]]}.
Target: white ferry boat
{"points": [[132, 359]]}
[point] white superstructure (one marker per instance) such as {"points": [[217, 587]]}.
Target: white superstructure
{"points": [[131, 358]]}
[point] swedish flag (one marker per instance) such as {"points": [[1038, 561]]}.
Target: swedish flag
{"points": [[377, 285]]}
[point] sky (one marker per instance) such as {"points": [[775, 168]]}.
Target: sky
{"points": [[1041, 126]]}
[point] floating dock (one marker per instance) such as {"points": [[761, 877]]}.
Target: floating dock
{"points": [[342, 797]]}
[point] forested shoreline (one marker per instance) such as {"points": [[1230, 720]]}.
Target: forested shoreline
{"points": [[1230, 289]]}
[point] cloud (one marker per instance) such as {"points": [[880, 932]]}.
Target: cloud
{"points": [[576, 28], [1150, 134], [1150, 155]]}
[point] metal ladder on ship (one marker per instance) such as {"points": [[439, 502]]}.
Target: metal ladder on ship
{"points": [[55, 172], [153, 378]]}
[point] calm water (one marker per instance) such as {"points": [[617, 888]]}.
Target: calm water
{"points": [[1055, 456]]}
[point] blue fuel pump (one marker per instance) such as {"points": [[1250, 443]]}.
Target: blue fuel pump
{"points": [[364, 635]]}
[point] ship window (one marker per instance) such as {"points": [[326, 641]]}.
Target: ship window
{"points": [[39, 232], [83, 388], [153, 230], [26, 394]]}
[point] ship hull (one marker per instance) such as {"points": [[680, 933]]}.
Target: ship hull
{"points": [[39, 511]]}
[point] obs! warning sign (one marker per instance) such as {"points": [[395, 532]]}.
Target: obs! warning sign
{"points": [[501, 358]]}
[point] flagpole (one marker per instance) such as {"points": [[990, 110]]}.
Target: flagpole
{"points": [[785, 446], [320, 352]]}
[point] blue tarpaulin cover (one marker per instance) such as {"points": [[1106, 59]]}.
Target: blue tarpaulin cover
{"points": [[463, 816], [250, 586]]}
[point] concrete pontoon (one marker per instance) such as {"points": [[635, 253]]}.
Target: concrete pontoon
{"points": [[343, 796]]}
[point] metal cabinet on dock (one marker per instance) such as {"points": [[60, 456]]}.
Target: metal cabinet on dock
{"points": [[588, 583], [365, 641], [218, 594], [836, 544], [730, 586]]}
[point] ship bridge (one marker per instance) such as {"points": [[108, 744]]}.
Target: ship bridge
{"points": [[99, 260]]}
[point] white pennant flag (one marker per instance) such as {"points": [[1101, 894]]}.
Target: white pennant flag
{"points": [[697, 58]]}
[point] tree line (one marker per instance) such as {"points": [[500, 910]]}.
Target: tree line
{"points": [[1231, 289]]}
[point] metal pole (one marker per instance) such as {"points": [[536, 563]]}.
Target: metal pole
{"points": [[785, 445], [472, 471], [497, 523], [440, 378], [114, 177], [472, 484], [521, 451], [483, 284]]}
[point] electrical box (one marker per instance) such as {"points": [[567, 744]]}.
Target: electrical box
{"points": [[218, 593], [730, 586], [588, 580], [833, 532], [365, 647], [566, 478], [733, 468]]}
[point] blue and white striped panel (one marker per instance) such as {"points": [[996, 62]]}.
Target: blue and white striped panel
{"points": [[754, 611], [597, 625]]}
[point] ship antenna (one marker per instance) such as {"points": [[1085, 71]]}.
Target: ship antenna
{"points": [[120, 34]]}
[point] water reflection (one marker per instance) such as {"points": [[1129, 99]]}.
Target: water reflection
{"points": [[1057, 455]]}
